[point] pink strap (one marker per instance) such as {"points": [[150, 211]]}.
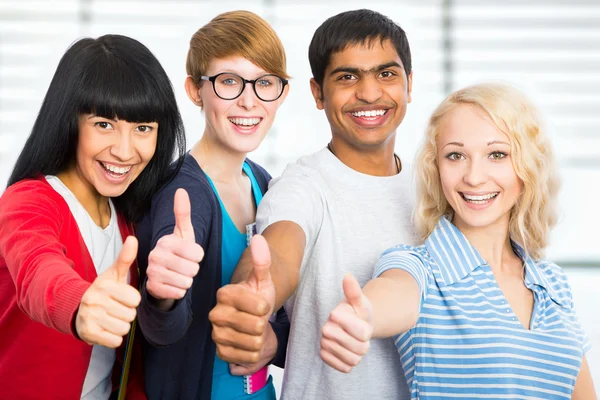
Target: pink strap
{"points": [[258, 380]]}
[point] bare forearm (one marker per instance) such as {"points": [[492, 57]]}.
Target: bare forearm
{"points": [[286, 243], [395, 299], [285, 276]]}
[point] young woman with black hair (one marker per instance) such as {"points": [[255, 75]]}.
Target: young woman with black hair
{"points": [[101, 145]]}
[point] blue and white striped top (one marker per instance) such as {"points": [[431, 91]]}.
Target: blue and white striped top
{"points": [[468, 343]]}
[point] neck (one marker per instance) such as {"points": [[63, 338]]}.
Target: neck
{"points": [[492, 242], [94, 203], [218, 161], [377, 161]]}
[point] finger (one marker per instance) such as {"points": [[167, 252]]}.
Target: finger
{"points": [[125, 294], [354, 295], [187, 250], [113, 325], [344, 355], [183, 216], [121, 266], [333, 331], [261, 259], [239, 321], [119, 311], [161, 291], [334, 362], [346, 317], [106, 339], [227, 336], [164, 258], [242, 299], [240, 370], [170, 278], [237, 356]]}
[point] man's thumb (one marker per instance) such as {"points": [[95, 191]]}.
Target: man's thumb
{"points": [[261, 260], [355, 297], [125, 259]]}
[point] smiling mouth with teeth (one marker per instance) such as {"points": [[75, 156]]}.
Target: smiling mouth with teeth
{"points": [[245, 122], [479, 199], [115, 171], [369, 113]]}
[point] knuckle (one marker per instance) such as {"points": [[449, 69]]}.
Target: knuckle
{"points": [[257, 343], [253, 357], [260, 326]]}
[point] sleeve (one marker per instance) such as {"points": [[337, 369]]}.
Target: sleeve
{"points": [[406, 259], [281, 327], [163, 328], [48, 289], [562, 291], [294, 197]]}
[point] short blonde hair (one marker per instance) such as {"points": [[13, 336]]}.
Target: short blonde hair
{"points": [[531, 153], [240, 33]]}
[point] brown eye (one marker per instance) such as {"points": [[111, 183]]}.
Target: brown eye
{"points": [[144, 129], [497, 155], [103, 125]]}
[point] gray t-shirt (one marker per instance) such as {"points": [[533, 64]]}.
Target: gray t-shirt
{"points": [[349, 219]]}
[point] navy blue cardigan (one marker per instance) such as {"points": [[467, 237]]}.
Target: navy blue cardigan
{"points": [[178, 351]]}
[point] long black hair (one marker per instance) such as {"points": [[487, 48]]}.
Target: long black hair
{"points": [[112, 76]]}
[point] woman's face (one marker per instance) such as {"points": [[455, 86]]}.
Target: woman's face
{"points": [[477, 175], [111, 154], [242, 123]]}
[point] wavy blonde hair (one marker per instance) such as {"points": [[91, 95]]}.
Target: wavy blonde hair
{"points": [[513, 113]]}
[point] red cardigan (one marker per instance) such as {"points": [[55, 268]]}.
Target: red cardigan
{"points": [[45, 268]]}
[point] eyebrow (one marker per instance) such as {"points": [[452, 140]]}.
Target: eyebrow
{"points": [[100, 116], [459, 144], [357, 71]]}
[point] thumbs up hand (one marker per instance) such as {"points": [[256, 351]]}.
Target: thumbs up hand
{"points": [[108, 306], [347, 333], [240, 318], [174, 262]]}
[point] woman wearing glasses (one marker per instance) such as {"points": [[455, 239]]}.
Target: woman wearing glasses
{"points": [[237, 76]]}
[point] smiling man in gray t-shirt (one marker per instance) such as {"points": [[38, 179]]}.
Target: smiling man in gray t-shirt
{"points": [[330, 213]]}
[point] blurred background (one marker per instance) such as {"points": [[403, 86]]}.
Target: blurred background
{"points": [[548, 48]]}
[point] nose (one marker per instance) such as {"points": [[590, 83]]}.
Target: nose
{"points": [[476, 173], [123, 148], [368, 89], [248, 98]]}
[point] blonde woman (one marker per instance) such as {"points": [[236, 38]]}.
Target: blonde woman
{"points": [[478, 311]]}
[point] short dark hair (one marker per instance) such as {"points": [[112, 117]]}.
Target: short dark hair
{"points": [[351, 28], [112, 76]]}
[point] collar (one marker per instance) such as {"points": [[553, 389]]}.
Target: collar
{"points": [[456, 258]]}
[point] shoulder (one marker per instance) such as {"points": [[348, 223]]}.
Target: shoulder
{"points": [[404, 254], [306, 172], [258, 170], [405, 250], [191, 178], [260, 174], [32, 193], [556, 281]]}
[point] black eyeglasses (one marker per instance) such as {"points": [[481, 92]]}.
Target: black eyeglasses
{"points": [[230, 86]]}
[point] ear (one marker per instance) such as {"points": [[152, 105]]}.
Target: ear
{"points": [[193, 91], [317, 93], [409, 85]]}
